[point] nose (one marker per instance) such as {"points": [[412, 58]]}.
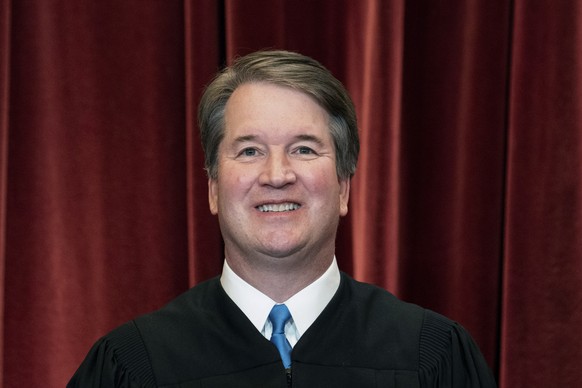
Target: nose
{"points": [[277, 171]]}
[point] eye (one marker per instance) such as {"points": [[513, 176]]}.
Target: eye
{"points": [[304, 150], [249, 152]]}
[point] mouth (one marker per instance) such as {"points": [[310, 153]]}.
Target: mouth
{"points": [[278, 207]]}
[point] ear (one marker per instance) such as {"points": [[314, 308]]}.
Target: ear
{"points": [[344, 195], [213, 195]]}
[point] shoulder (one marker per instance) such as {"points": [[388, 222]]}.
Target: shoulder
{"points": [[427, 326], [447, 352], [381, 304], [197, 301], [439, 348], [179, 323], [370, 296], [131, 350], [368, 322], [118, 359]]}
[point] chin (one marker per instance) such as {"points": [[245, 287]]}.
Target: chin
{"points": [[280, 251]]}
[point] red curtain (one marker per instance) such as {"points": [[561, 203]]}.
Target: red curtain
{"points": [[467, 199]]}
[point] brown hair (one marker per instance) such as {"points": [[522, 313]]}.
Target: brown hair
{"points": [[291, 70]]}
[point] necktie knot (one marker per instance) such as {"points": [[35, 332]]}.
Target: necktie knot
{"points": [[279, 316]]}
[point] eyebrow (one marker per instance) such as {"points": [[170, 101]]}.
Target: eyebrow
{"points": [[304, 137], [242, 139], [310, 138]]}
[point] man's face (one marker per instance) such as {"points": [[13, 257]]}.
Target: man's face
{"points": [[277, 193]]}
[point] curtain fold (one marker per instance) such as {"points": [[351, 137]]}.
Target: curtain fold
{"points": [[452, 163], [204, 48], [5, 7], [467, 198], [96, 206], [542, 320], [376, 87]]}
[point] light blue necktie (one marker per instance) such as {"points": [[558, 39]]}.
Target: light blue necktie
{"points": [[279, 316]]}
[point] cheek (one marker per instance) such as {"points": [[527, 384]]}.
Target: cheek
{"points": [[324, 182], [235, 184]]}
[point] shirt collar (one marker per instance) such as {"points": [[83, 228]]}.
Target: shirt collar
{"points": [[305, 306]]}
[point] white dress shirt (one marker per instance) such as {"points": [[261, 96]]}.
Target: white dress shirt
{"points": [[305, 306]]}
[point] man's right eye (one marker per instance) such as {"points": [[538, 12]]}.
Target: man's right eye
{"points": [[249, 152]]}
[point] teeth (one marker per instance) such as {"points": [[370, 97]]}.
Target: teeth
{"points": [[283, 207]]}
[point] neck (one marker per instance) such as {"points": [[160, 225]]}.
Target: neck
{"points": [[280, 278]]}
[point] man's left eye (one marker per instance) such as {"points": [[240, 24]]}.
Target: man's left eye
{"points": [[305, 151]]}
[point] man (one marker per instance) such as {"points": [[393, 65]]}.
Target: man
{"points": [[281, 143]]}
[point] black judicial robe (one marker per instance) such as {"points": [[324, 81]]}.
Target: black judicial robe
{"points": [[365, 337]]}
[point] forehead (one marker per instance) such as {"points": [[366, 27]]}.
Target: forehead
{"points": [[265, 106]]}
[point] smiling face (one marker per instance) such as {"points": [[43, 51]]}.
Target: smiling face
{"points": [[277, 194]]}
